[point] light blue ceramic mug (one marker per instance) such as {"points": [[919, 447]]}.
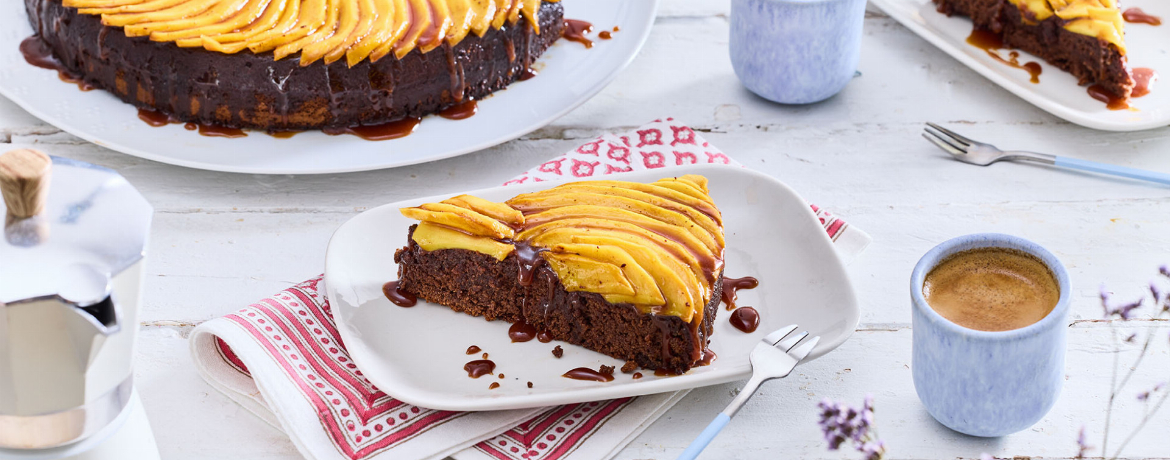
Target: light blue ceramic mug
{"points": [[796, 51], [987, 383]]}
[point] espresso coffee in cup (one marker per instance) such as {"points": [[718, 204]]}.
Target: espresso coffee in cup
{"points": [[990, 316], [991, 289]]}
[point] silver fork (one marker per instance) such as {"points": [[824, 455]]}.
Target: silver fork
{"points": [[978, 153], [773, 358]]}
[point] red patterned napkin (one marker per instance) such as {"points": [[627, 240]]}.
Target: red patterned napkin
{"points": [[282, 358]]}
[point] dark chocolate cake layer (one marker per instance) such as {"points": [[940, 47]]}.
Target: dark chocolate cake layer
{"points": [[1090, 59], [478, 284], [246, 90]]}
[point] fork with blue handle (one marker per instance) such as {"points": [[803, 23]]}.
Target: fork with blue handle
{"points": [[978, 153], [773, 358]]}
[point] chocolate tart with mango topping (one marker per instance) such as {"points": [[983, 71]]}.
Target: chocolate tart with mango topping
{"points": [[1083, 37], [627, 269], [234, 63]]}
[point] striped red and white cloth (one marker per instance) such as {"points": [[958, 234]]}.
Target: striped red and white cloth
{"points": [[282, 358]]}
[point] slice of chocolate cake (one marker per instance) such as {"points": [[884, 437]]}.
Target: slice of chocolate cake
{"points": [[1083, 37], [627, 269]]}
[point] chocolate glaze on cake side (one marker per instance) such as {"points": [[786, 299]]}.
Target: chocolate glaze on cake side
{"points": [[254, 91]]}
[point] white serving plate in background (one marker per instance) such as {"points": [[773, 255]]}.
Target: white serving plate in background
{"points": [[417, 354], [569, 76], [1058, 92]]}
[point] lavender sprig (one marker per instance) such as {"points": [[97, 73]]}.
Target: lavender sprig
{"points": [[842, 423], [1145, 395], [1125, 312], [1083, 446]]}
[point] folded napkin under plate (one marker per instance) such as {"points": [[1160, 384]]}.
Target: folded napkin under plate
{"points": [[282, 358]]}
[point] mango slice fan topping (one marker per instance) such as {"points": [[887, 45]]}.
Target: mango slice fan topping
{"points": [[1095, 18], [656, 246], [318, 29]]}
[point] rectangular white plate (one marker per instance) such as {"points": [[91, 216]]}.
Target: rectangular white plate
{"points": [[1057, 92], [417, 354]]}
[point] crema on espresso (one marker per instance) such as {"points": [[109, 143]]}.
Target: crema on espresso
{"points": [[992, 289]]}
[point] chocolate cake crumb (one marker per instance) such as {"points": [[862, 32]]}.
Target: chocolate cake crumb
{"points": [[629, 367], [558, 351], [606, 370], [529, 384]]}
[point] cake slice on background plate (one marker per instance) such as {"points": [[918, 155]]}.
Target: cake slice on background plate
{"points": [[1083, 37], [627, 269]]}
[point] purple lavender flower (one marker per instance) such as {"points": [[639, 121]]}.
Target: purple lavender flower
{"points": [[841, 423], [873, 450], [1082, 444], [1164, 270], [1145, 395], [1160, 297], [1125, 312], [1104, 294]]}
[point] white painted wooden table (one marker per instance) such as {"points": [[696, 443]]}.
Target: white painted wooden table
{"points": [[221, 241]]}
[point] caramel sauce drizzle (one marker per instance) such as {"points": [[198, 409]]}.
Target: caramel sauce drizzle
{"points": [[37, 53], [1112, 101], [990, 43], [155, 119], [159, 119], [521, 332], [585, 373], [399, 297], [731, 287], [607, 35], [283, 134], [577, 30], [215, 131], [1143, 79], [479, 368], [460, 111], [1137, 16], [382, 132], [746, 319]]}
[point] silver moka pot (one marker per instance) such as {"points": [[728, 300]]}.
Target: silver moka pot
{"points": [[70, 275]]}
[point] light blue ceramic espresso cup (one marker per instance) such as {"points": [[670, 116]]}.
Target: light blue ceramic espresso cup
{"points": [[987, 383], [796, 51]]}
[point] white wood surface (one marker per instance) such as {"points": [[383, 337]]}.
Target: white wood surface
{"points": [[221, 241]]}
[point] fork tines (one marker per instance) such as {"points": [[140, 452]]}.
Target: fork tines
{"points": [[789, 345], [802, 351], [946, 139]]}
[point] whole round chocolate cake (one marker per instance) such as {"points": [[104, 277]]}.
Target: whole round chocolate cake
{"points": [[362, 62]]}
